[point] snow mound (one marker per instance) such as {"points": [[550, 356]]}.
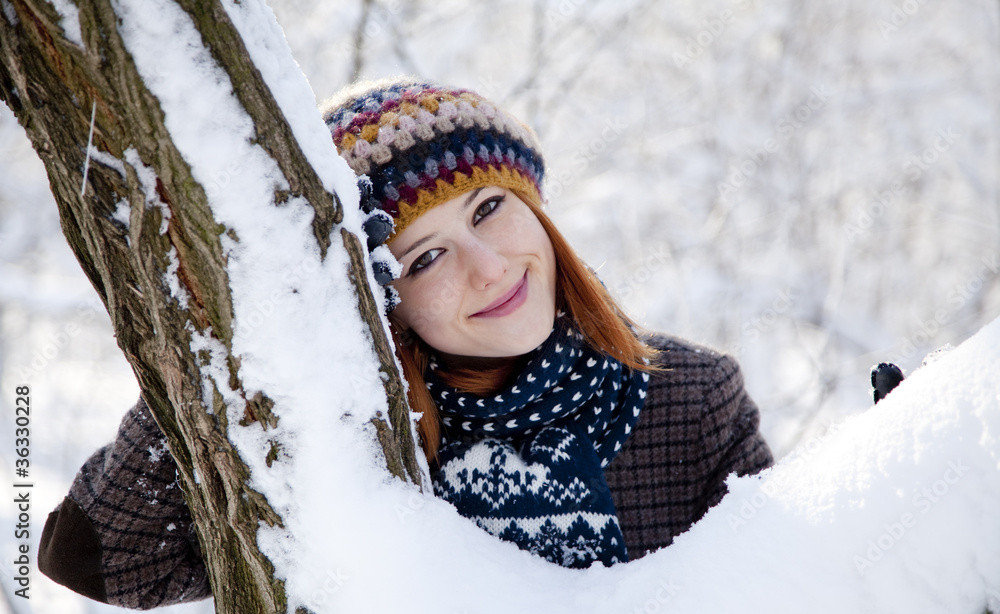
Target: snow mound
{"points": [[895, 510]]}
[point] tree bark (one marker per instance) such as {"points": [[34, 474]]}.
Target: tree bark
{"points": [[66, 96]]}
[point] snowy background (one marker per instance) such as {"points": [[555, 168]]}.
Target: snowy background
{"points": [[811, 186]]}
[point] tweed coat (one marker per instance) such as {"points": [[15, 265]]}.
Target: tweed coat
{"points": [[124, 535]]}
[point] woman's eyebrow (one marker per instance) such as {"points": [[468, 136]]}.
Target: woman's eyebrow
{"points": [[468, 201], [418, 244], [472, 196]]}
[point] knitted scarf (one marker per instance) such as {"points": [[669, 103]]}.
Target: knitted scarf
{"points": [[527, 463]]}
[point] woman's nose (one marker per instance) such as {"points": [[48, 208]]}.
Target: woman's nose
{"points": [[484, 263]]}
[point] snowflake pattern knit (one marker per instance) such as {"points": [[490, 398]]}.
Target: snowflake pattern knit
{"points": [[527, 464]]}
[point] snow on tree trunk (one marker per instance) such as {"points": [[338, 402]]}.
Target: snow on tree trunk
{"points": [[164, 194]]}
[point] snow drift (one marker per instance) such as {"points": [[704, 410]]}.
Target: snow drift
{"points": [[895, 510]]}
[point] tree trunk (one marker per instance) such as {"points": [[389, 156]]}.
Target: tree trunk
{"points": [[68, 96]]}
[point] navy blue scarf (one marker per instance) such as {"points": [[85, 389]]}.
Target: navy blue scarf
{"points": [[527, 463]]}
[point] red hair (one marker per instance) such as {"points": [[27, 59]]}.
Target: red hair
{"points": [[578, 293]]}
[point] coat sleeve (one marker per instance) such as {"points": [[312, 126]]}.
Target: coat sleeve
{"points": [[730, 430], [124, 535]]}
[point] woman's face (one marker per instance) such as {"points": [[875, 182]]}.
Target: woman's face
{"points": [[479, 276]]}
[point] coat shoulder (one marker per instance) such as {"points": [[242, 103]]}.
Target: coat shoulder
{"points": [[692, 394], [697, 425], [694, 382], [675, 352]]}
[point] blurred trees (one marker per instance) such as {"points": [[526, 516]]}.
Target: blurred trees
{"points": [[811, 186]]}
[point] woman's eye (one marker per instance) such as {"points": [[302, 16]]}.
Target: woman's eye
{"points": [[485, 208], [424, 260]]}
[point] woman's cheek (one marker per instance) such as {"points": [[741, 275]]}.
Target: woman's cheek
{"points": [[429, 307]]}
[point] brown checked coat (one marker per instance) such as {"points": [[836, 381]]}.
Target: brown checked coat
{"points": [[124, 536]]}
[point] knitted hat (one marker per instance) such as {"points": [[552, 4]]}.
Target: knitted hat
{"points": [[422, 144]]}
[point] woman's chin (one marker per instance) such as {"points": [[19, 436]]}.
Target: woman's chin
{"points": [[519, 339], [515, 334]]}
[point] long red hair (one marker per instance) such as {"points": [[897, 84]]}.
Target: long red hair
{"points": [[578, 293]]}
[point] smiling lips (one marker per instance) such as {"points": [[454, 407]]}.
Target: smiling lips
{"points": [[507, 303]]}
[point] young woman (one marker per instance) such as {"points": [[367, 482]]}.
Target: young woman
{"points": [[546, 417]]}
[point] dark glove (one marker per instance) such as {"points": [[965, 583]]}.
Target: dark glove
{"points": [[378, 226], [885, 377]]}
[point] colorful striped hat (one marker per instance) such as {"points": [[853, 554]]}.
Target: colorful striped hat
{"points": [[422, 144]]}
